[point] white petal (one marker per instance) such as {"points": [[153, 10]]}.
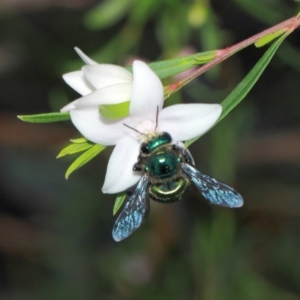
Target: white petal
{"points": [[147, 93], [78, 82], [85, 58], [119, 175], [187, 121], [95, 128], [68, 107], [109, 95], [104, 75]]}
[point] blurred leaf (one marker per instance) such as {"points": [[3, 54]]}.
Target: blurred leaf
{"points": [[74, 148], [211, 37], [115, 111], [173, 30], [118, 203], [264, 12], [122, 43], [142, 11], [84, 158], [243, 88], [222, 232], [269, 38], [46, 118], [106, 13], [198, 14]]}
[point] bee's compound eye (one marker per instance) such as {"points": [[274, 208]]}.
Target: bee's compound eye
{"points": [[167, 136], [145, 148]]}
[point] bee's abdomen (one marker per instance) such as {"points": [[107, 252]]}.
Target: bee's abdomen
{"points": [[169, 191]]}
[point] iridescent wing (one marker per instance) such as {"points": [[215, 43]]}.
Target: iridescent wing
{"points": [[134, 211], [212, 190]]}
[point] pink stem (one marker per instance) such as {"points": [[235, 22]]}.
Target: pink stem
{"points": [[289, 25]]}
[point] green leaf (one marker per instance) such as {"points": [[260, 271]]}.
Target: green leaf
{"points": [[205, 57], [243, 88], [74, 148], [170, 67], [46, 118], [84, 158], [106, 13], [115, 111], [269, 38], [79, 141], [167, 68], [118, 203]]}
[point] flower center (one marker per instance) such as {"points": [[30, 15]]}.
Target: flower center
{"points": [[143, 131], [147, 127]]}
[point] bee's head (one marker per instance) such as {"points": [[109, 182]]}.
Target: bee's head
{"points": [[155, 142]]}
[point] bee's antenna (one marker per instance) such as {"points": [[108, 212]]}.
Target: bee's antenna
{"points": [[133, 129], [156, 119]]}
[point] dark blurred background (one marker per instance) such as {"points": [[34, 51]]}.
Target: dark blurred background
{"points": [[55, 234]]}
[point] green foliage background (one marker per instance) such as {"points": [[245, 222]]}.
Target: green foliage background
{"points": [[55, 235]]}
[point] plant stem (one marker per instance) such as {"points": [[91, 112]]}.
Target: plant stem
{"points": [[287, 26]]}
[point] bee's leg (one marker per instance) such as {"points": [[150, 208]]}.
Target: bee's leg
{"points": [[188, 157]]}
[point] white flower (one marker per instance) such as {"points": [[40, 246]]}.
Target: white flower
{"points": [[98, 84], [182, 121]]}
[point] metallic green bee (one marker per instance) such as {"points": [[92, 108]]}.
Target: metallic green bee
{"points": [[167, 172]]}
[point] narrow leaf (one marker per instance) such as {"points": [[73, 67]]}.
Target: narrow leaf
{"points": [[106, 13], [74, 148], [170, 67], [205, 57], [243, 88], [115, 111], [269, 38], [84, 158], [118, 202], [79, 141], [46, 118], [166, 68]]}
